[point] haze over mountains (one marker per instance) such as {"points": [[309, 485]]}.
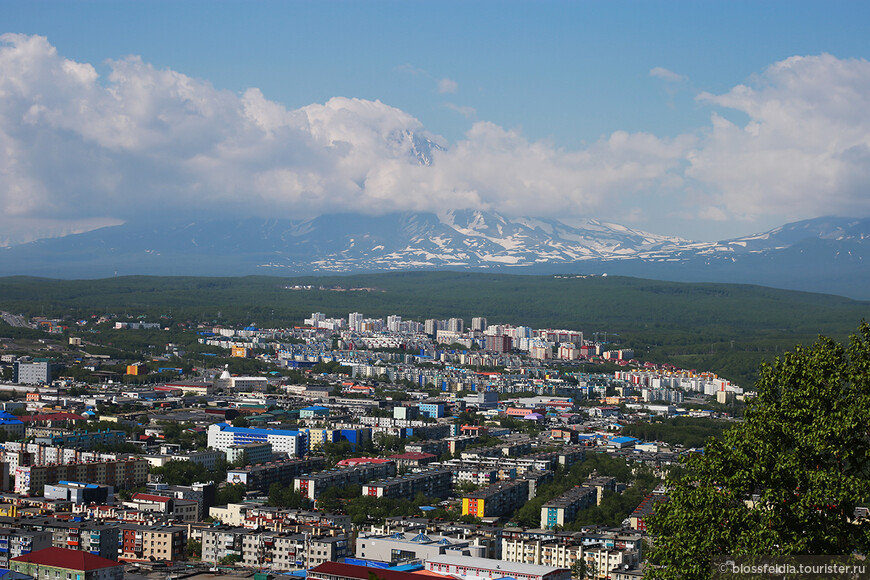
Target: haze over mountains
{"points": [[820, 255]]}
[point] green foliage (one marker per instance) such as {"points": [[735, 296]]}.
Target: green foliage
{"points": [[334, 498], [187, 472], [687, 431], [183, 434], [787, 480], [335, 452], [331, 367], [194, 549], [284, 496], [365, 509], [388, 444], [230, 494], [726, 328], [601, 464], [615, 507], [230, 559]]}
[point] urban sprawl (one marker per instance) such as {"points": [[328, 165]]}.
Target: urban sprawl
{"points": [[360, 445]]}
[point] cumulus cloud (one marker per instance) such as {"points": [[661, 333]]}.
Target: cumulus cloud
{"points": [[145, 140], [81, 150], [805, 148]]}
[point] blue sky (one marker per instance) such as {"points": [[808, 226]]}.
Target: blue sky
{"points": [[567, 83]]}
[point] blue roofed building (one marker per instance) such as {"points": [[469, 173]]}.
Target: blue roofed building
{"points": [[292, 441]]}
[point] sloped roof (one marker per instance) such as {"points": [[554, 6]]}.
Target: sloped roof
{"points": [[68, 559]]}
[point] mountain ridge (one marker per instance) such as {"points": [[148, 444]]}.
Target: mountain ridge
{"points": [[826, 254]]}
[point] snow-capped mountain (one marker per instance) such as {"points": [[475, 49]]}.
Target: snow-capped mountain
{"points": [[826, 254]]}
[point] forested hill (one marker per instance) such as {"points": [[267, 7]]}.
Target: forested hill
{"points": [[726, 328]]}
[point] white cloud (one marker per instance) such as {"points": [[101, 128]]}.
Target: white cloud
{"points": [[147, 140], [805, 149], [667, 75], [465, 111], [80, 150], [447, 86]]}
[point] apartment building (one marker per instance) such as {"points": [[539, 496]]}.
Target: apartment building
{"points": [[55, 563], [563, 509], [16, 542], [123, 473], [431, 483], [313, 484], [497, 500], [559, 553], [221, 541], [260, 477], [99, 539], [152, 543]]}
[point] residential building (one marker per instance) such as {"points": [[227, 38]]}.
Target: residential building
{"points": [[123, 473], [249, 453], [57, 563], [221, 541], [185, 510], [79, 439], [497, 500], [431, 483], [313, 484], [37, 372], [17, 542], [260, 477], [601, 485], [90, 537], [563, 509], [413, 459], [327, 549], [152, 543], [560, 552]]}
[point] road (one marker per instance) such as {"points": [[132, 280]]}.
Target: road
{"points": [[14, 320]]}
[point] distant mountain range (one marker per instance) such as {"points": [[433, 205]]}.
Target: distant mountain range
{"points": [[827, 255]]}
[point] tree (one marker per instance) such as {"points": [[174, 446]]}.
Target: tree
{"points": [[787, 479], [230, 560], [230, 494], [194, 549], [583, 569]]}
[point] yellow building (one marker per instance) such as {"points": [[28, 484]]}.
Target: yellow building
{"points": [[473, 506], [137, 369], [241, 352]]}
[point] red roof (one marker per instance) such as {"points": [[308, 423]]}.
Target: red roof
{"points": [[68, 559], [413, 455], [353, 461], [149, 497], [52, 417], [359, 572]]}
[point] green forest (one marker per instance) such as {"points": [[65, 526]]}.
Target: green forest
{"points": [[726, 328]]}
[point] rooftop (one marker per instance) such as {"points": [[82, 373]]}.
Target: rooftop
{"points": [[67, 559]]}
